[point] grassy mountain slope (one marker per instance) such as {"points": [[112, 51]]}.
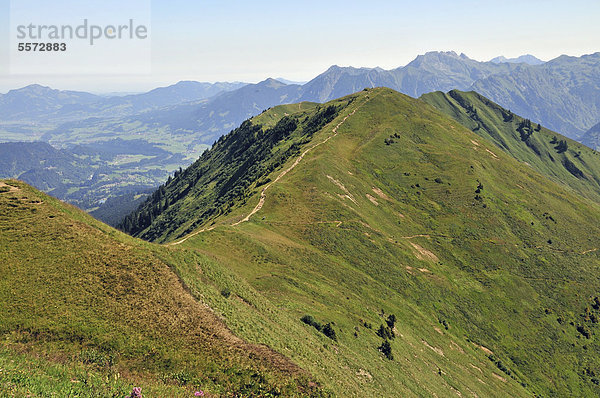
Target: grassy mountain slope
{"points": [[222, 176], [573, 165], [405, 211], [87, 310]]}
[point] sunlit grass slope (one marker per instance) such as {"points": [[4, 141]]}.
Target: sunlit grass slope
{"points": [[407, 212], [87, 310], [559, 158]]}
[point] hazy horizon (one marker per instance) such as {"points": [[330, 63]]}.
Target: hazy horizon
{"points": [[228, 41]]}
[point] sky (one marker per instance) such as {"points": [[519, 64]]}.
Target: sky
{"points": [[249, 41]]}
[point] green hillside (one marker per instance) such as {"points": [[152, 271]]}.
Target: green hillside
{"points": [[370, 246], [90, 312], [489, 267], [557, 157], [87, 311]]}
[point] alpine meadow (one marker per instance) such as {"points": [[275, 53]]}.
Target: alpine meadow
{"points": [[176, 222]]}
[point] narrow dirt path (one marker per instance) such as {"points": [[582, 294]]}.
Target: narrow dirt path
{"points": [[190, 236], [263, 193]]}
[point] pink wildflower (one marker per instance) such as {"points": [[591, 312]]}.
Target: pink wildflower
{"points": [[136, 393]]}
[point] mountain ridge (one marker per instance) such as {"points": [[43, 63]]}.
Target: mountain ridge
{"points": [[374, 242], [422, 211]]}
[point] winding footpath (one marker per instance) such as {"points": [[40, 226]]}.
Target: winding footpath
{"points": [[263, 194]]}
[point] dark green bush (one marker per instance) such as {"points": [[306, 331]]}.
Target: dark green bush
{"points": [[385, 332], [391, 321], [329, 332], [309, 320], [386, 349]]}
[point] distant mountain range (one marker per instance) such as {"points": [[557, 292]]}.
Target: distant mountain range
{"points": [[562, 94], [36, 102]]}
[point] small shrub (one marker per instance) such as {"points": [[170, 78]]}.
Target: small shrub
{"points": [[479, 188], [585, 332], [329, 332], [386, 349], [391, 321], [309, 320], [562, 146], [385, 332], [226, 292]]}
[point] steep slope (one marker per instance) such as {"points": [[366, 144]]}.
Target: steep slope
{"points": [[99, 312], [222, 177], [88, 311], [591, 137], [490, 269], [559, 158]]}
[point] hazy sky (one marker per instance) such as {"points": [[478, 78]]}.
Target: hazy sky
{"points": [[252, 40]]}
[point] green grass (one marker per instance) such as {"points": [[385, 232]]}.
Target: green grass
{"points": [[495, 278], [498, 125], [361, 228], [71, 286]]}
